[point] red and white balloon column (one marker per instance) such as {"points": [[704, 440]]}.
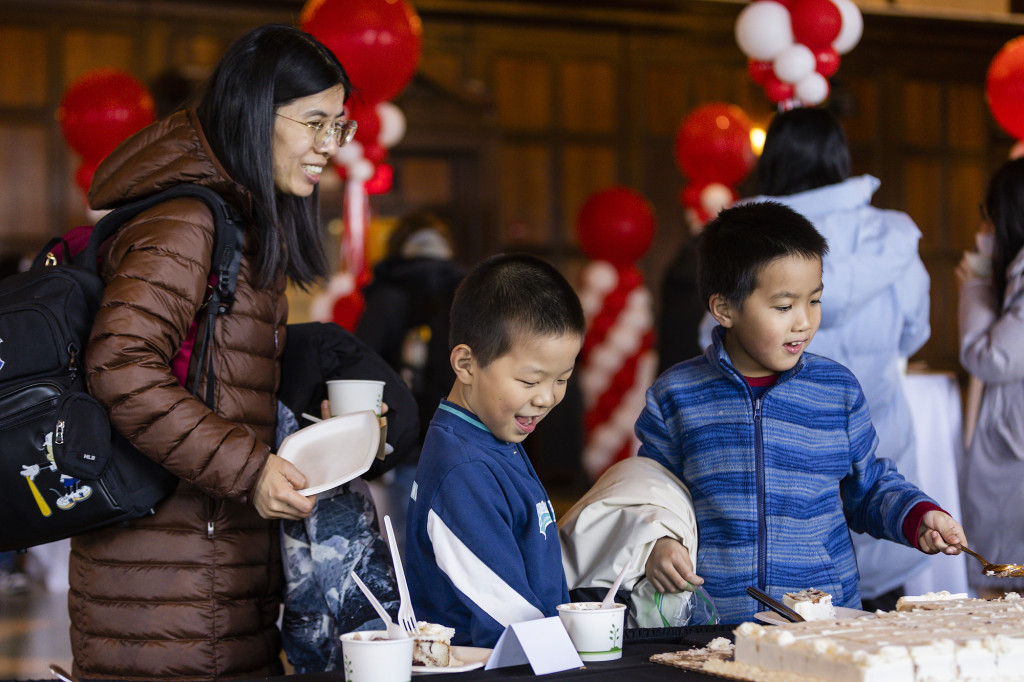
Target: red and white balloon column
{"points": [[794, 46], [713, 151], [379, 43], [98, 111], [1004, 91], [615, 227]]}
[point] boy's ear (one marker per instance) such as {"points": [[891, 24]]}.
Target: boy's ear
{"points": [[462, 363], [721, 309]]}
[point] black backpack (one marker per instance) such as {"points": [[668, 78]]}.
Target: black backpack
{"points": [[64, 469]]}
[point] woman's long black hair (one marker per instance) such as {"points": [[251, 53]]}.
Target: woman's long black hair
{"points": [[804, 149], [1004, 203], [263, 70]]}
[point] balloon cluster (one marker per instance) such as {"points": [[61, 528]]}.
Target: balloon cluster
{"points": [[615, 227], [1004, 89], [713, 150], [378, 42], [98, 111], [793, 46]]}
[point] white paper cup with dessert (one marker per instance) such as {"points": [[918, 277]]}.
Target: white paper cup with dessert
{"points": [[595, 632], [369, 656]]}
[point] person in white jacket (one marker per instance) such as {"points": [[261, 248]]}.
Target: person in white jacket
{"points": [[875, 305]]}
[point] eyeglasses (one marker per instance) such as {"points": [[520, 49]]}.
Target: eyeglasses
{"points": [[342, 133]]}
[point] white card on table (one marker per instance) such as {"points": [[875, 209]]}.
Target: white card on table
{"points": [[542, 643]]}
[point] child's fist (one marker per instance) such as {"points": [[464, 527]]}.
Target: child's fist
{"points": [[669, 566], [939, 532]]}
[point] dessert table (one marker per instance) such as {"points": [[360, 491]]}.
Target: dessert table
{"points": [[634, 666]]}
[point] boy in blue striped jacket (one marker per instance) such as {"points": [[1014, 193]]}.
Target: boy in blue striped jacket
{"points": [[482, 546], [775, 444]]}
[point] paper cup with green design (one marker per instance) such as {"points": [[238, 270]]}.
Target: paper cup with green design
{"points": [[369, 656], [355, 395], [595, 632]]}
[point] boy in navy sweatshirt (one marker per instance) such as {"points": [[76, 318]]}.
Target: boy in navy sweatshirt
{"points": [[482, 547]]}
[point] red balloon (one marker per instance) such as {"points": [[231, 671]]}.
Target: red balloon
{"points": [[615, 225], [382, 180], [713, 144], [84, 173], [102, 108], [366, 116], [377, 41], [1004, 87], [827, 61], [816, 23], [778, 91], [759, 71]]}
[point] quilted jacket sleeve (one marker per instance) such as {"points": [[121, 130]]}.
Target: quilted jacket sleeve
{"points": [[156, 273]]}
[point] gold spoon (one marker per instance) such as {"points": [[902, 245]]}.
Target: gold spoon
{"points": [[997, 570]]}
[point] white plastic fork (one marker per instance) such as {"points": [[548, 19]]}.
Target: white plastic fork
{"points": [[406, 617], [395, 631]]}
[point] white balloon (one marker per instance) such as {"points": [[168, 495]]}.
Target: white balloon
{"points": [[812, 90], [601, 276], [349, 154], [851, 28], [715, 197], [794, 64], [763, 30], [360, 171], [392, 124]]}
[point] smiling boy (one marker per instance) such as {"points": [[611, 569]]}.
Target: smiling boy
{"points": [[775, 444], [482, 548]]}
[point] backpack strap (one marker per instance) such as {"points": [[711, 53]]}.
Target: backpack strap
{"points": [[229, 238]]}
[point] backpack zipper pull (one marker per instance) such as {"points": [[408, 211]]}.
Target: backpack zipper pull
{"points": [[58, 436], [73, 360]]}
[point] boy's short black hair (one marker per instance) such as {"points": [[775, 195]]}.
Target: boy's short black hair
{"points": [[510, 295], [742, 240]]}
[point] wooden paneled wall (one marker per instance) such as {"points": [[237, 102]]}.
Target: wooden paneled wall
{"points": [[522, 109]]}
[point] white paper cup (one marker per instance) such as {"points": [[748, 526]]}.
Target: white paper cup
{"points": [[348, 396], [369, 656], [595, 632]]}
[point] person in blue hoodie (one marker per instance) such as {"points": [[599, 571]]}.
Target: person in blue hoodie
{"points": [[775, 444], [482, 549], [876, 313]]}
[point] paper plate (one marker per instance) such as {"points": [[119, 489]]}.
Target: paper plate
{"points": [[333, 451], [842, 612], [471, 657]]}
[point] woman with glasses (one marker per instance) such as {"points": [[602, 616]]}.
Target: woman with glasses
{"points": [[992, 349], [193, 590]]}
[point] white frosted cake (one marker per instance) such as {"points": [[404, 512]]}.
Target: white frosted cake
{"points": [[433, 645], [931, 638], [811, 604]]}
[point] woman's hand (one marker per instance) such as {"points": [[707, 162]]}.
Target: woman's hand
{"points": [[669, 567], [277, 492]]}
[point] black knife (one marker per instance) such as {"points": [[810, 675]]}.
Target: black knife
{"points": [[776, 606]]}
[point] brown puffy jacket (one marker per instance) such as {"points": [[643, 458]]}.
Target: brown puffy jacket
{"points": [[191, 592]]}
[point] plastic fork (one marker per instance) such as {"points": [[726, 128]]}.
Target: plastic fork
{"points": [[395, 631], [406, 617]]}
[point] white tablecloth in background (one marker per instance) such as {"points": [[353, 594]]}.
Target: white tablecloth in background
{"points": [[938, 424]]}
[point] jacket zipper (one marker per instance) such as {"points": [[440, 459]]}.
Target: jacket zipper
{"points": [[762, 524]]}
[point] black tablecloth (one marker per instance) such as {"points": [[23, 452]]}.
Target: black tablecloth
{"points": [[637, 647]]}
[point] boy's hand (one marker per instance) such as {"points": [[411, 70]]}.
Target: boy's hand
{"points": [[669, 566], [939, 532]]}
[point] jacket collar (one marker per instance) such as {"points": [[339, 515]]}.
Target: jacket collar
{"points": [[847, 195], [718, 357]]}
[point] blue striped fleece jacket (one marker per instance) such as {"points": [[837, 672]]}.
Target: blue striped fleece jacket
{"points": [[778, 482]]}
